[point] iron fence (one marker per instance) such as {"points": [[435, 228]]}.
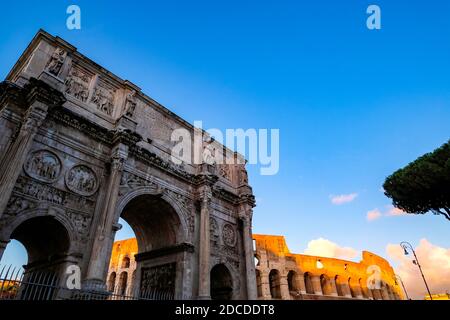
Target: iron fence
{"points": [[18, 284]]}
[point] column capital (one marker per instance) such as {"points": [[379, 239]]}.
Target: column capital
{"points": [[10, 93], [119, 156], [125, 136], [117, 163], [205, 180], [246, 216], [32, 121], [205, 195]]}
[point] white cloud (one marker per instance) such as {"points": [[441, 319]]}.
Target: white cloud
{"points": [[435, 263], [343, 198], [393, 211], [373, 215], [390, 211], [326, 248]]}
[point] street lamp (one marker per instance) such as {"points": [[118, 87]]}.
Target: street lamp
{"points": [[406, 245], [397, 277]]}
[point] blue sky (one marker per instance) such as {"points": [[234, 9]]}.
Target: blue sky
{"points": [[352, 105]]}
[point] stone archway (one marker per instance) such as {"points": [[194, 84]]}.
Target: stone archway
{"points": [[259, 289], [47, 243], [308, 283], [326, 285], [161, 234], [221, 283], [274, 284], [292, 279], [111, 284], [154, 221], [123, 283], [340, 287]]}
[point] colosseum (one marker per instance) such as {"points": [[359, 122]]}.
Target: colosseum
{"points": [[281, 274]]}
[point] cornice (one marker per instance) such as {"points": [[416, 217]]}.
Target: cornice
{"points": [[38, 90]]}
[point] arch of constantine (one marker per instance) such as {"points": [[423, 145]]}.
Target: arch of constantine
{"points": [[81, 148]]}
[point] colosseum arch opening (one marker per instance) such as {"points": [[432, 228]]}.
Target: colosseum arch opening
{"points": [[326, 285], [353, 288], [259, 290], [111, 284], [292, 279], [308, 283], [123, 282], [274, 284], [125, 262], [364, 289], [339, 286]]}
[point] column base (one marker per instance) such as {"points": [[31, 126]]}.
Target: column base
{"points": [[203, 297]]}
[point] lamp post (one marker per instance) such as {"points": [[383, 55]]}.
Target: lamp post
{"points": [[397, 277], [406, 245]]}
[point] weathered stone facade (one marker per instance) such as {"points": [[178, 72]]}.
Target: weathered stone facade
{"points": [[81, 147], [281, 274]]}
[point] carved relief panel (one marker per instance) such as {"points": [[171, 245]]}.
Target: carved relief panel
{"points": [[214, 232], [225, 171], [56, 61], [224, 238], [159, 279], [43, 165], [103, 97], [77, 83], [82, 180], [229, 235]]}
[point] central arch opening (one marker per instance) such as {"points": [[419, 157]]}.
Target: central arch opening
{"points": [[154, 221], [221, 283], [150, 270]]}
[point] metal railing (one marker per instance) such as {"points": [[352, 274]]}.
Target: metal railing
{"points": [[16, 284]]}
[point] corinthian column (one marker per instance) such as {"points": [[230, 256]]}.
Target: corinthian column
{"points": [[37, 99], [106, 227], [249, 257], [204, 253], [17, 153]]}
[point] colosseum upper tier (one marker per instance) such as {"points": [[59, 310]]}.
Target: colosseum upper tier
{"points": [[281, 274]]}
